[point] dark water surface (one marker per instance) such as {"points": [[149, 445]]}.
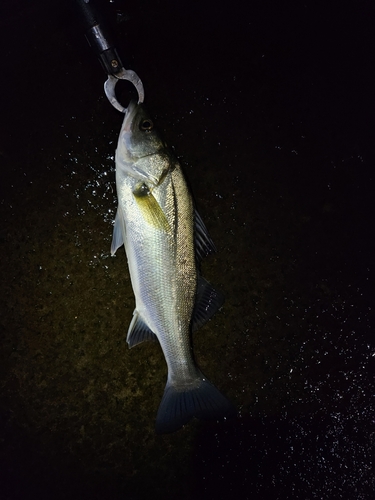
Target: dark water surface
{"points": [[271, 113]]}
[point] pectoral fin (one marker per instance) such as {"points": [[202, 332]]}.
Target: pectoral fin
{"points": [[150, 208]]}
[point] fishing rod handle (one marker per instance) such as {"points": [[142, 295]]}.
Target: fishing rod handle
{"points": [[98, 37]]}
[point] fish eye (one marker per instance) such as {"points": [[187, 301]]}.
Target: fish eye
{"points": [[146, 125]]}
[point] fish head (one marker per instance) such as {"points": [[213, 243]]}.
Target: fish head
{"points": [[141, 153]]}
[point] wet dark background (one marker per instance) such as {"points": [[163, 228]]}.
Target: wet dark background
{"points": [[270, 108]]}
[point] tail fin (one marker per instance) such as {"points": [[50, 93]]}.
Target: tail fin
{"points": [[179, 405]]}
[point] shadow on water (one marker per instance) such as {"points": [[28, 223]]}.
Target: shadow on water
{"points": [[252, 104]]}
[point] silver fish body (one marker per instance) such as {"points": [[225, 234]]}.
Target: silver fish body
{"points": [[164, 238]]}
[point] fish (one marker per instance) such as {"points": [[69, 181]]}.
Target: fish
{"points": [[165, 240]]}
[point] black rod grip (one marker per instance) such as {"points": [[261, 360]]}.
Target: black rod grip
{"points": [[89, 13], [98, 37]]}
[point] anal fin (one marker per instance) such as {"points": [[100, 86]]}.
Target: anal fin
{"points": [[138, 331]]}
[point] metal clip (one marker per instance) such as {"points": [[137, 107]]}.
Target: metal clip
{"points": [[100, 41], [124, 74]]}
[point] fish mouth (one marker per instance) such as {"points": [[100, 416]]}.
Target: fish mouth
{"points": [[129, 116]]}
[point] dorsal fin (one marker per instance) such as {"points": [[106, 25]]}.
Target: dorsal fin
{"points": [[203, 243], [208, 301]]}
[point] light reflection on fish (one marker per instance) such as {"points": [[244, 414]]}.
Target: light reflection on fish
{"points": [[164, 239]]}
